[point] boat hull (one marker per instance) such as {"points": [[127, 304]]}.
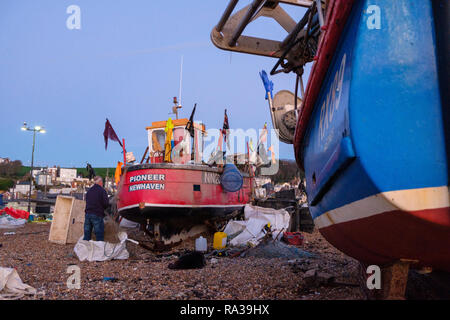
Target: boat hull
{"points": [[375, 147], [167, 192], [377, 231]]}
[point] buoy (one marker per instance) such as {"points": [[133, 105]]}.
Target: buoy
{"points": [[231, 179]]}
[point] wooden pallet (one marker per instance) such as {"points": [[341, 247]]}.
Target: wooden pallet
{"points": [[68, 220]]}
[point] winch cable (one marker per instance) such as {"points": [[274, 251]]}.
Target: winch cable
{"points": [[306, 20]]}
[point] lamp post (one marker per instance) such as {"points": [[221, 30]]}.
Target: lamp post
{"points": [[35, 129]]}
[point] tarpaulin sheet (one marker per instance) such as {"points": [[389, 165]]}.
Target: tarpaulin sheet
{"points": [[101, 251], [15, 213], [12, 218], [251, 230], [11, 286]]}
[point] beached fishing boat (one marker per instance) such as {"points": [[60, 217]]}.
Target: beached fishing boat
{"points": [[373, 129], [373, 142], [174, 198]]}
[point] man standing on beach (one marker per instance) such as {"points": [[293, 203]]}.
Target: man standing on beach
{"points": [[96, 203]]}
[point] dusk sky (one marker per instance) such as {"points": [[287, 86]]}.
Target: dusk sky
{"points": [[124, 65]]}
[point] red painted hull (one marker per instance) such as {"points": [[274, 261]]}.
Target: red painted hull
{"points": [[166, 191], [383, 238]]}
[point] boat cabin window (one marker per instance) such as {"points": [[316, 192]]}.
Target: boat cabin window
{"points": [[158, 139], [178, 134]]}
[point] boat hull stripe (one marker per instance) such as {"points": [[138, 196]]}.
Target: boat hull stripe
{"points": [[181, 206], [403, 200]]}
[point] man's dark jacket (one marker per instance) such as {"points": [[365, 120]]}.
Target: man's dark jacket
{"points": [[96, 201]]}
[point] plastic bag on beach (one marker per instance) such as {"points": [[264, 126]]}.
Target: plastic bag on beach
{"points": [[124, 223], [251, 230], [100, 250], [11, 286], [8, 222], [12, 218]]}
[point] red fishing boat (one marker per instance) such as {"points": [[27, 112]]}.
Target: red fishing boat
{"points": [[174, 196]]}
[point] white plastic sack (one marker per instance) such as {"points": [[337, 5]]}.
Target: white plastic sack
{"points": [[234, 227], [11, 286], [8, 222], [124, 223], [100, 250], [251, 230]]}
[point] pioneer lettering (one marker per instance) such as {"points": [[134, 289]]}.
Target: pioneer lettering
{"points": [[148, 177]]}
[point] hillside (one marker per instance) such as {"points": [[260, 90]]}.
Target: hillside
{"points": [[20, 172], [80, 171]]}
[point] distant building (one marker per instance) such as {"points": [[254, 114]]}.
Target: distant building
{"points": [[53, 172], [4, 160], [67, 175], [21, 188], [36, 172], [43, 179], [62, 190]]}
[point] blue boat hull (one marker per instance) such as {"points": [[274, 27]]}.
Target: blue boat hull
{"points": [[376, 150]]}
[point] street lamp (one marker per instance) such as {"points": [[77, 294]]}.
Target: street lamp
{"points": [[35, 129]]}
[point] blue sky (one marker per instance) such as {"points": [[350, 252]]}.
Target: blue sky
{"points": [[124, 65]]}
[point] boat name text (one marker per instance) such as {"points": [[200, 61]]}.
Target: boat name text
{"points": [[331, 103], [148, 177], [146, 186], [210, 178]]}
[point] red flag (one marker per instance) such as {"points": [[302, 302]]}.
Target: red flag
{"points": [[190, 124], [226, 130], [110, 133], [226, 126]]}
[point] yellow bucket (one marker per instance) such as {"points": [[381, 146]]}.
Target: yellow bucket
{"points": [[220, 240]]}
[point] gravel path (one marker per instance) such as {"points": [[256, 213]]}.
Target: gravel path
{"points": [[145, 275]]}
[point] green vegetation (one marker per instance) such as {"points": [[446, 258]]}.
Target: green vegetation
{"points": [[98, 171], [15, 171], [80, 171], [23, 171], [9, 173], [6, 184], [11, 169]]}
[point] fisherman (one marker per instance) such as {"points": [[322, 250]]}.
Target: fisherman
{"points": [[96, 203]]}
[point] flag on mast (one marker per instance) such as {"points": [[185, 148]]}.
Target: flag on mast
{"points": [[190, 124], [226, 130], [268, 85], [263, 136], [118, 172], [261, 150], [109, 133], [272, 154], [168, 145]]}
